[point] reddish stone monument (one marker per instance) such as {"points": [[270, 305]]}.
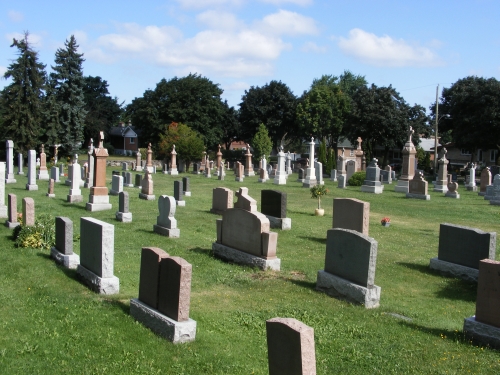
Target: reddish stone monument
{"points": [[99, 198]]}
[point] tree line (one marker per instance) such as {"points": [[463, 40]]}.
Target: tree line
{"points": [[67, 108]]}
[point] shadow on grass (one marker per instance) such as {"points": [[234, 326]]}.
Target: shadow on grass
{"points": [[315, 239], [419, 267], [303, 284], [445, 334], [68, 204], [119, 304], [200, 250], [456, 289]]}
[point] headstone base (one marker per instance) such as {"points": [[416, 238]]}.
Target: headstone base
{"points": [[113, 192], [402, 187], [67, 182], [425, 197], [342, 181], [481, 333], [3, 212], [124, 217], [88, 185], [101, 285], [372, 189], [248, 174], [172, 233], [128, 185], [263, 179], [471, 188], [301, 180], [449, 194], [281, 180], [281, 223], [50, 195], [138, 169], [74, 198], [181, 203], [173, 172], [31, 187], [239, 179], [147, 197], [481, 193], [441, 188], [495, 202], [11, 225], [187, 193], [176, 332], [239, 257], [43, 175], [10, 180], [454, 270], [338, 287], [92, 207], [20, 173], [309, 183], [69, 261]]}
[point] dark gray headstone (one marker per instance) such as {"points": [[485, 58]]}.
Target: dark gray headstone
{"points": [[351, 256], [178, 191], [123, 202], [301, 173], [372, 175], [494, 169], [273, 203], [64, 235], [149, 278], [97, 246], [196, 167], [115, 173], [465, 246], [185, 184], [138, 180]]}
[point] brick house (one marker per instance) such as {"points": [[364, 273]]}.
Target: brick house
{"points": [[124, 138]]}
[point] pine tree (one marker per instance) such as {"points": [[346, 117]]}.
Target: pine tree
{"points": [[262, 144], [68, 82], [21, 101]]}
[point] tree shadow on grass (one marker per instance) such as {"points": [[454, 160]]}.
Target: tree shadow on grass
{"points": [[73, 205], [315, 239], [445, 334]]}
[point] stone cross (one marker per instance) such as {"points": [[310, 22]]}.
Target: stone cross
{"points": [[359, 142], [101, 140], [410, 133]]}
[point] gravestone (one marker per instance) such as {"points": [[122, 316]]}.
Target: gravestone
{"points": [[333, 175], [75, 194], [221, 173], [372, 182], [243, 237], [54, 174], [138, 180], [20, 162], [240, 172], [248, 163], [319, 172], [99, 198], [3, 207], [218, 163], [485, 181], [138, 161], [386, 175], [116, 185], [149, 159], [310, 179], [9, 171], [61, 170], [43, 173], [173, 162], [245, 201], [166, 224], [164, 296], [494, 198], [301, 175], [127, 179], [350, 263], [274, 206], [263, 173], [62, 252], [186, 189], [280, 175], [50, 190], [417, 187], [178, 196], [408, 167], [290, 347], [341, 172], [28, 212], [288, 163], [472, 178], [350, 213], [11, 221], [452, 188], [89, 178], [350, 167], [147, 187], [124, 166], [97, 250], [441, 183], [484, 327], [222, 200], [31, 185], [123, 214], [461, 249]]}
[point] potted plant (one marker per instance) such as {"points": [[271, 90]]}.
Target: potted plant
{"points": [[319, 191], [386, 221]]}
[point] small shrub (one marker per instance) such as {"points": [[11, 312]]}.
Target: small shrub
{"points": [[42, 235], [357, 179]]}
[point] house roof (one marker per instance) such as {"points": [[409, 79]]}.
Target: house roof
{"points": [[124, 131], [427, 144]]}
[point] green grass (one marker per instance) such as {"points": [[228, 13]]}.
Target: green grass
{"points": [[51, 323]]}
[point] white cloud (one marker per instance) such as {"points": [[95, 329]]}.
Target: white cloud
{"points": [[236, 86], [386, 51], [201, 4], [34, 39], [15, 16], [313, 47], [296, 2], [289, 23], [3, 69], [219, 20]]}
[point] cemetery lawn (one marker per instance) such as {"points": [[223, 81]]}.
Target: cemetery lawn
{"points": [[51, 323]]}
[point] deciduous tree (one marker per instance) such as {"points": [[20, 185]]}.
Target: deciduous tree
{"points": [[261, 143], [188, 143]]}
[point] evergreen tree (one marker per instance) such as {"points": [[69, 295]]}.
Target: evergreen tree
{"points": [[21, 101], [322, 152], [261, 144], [68, 82]]}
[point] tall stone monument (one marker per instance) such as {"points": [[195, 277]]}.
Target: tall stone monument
{"points": [[173, 162], [408, 170], [3, 207], [31, 185], [20, 162], [310, 179], [43, 173], [10, 179], [75, 193], [138, 161], [149, 159], [89, 179], [341, 172], [99, 198], [248, 163], [472, 178], [441, 184], [280, 176]]}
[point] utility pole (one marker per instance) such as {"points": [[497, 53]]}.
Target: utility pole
{"points": [[436, 130]]}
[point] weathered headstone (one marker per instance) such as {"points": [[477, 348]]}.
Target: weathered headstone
{"points": [[274, 206], [221, 173], [138, 180], [149, 159], [99, 198], [20, 162], [310, 179], [138, 161], [341, 172], [11, 221], [123, 214], [31, 185], [461, 249], [61, 170], [441, 183], [166, 224], [350, 213], [75, 193], [290, 347], [263, 174], [43, 173], [127, 179], [408, 168], [386, 175], [350, 167], [97, 250], [178, 196], [54, 174], [452, 188], [116, 185], [147, 187], [50, 190], [89, 178], [243, 237], [333, 175], [173, 162], [62, 252], [245, 201], [186, 190], [3, 207], [222, 200], [240, 172], [494, 195], [350, 264], [417, 187], [9, 150], [472, 178], [28, 212], [485, 181], [372, 182], [301, 174], [281, 174], [319, 172]]}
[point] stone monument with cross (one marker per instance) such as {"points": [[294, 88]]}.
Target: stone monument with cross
{"points": [[310, 179], [43, 173], [89, 179], [408, 170], [173, 162], [149, 159], [341, 171], [359, 156], [441, 184], [99, 198]]}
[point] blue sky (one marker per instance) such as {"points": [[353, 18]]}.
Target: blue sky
{"points": [[413, 45]]}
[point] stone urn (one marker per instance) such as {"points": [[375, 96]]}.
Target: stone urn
{"points": [[319, 212]]}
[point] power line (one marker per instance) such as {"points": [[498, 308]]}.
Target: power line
{"points": [[421, 87]]}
